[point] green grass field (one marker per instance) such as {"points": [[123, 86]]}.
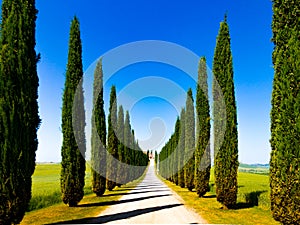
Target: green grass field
{"points": [[253, 203], [46, 186], [46, 206]]}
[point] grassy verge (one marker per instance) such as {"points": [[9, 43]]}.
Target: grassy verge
{"points": [[46, 186], [253, 205], [53, 210]]}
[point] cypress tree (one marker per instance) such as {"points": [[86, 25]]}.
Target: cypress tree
{"points": [[120, 172], [202, 154], [73, 123], [98, 148], [170, 160], [225, 147], [181, 146], [127, 134], [176, 151], [112, 140], [165, 160], [19, 119], [285, 114], [189, 141], [132, 155], [169, 156]]}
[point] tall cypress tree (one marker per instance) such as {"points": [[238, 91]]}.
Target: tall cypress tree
{"points": [[169, 156], [98, 150], [189, 141], [73, 123], [19, 119], [121, 156], [285, 114], [127, 135], [181, 146], [132, 155], [175, 148], [225, 147], [112, 140], [202, 154]]}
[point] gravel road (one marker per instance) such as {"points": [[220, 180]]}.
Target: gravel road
{"points": [[151, 202]]}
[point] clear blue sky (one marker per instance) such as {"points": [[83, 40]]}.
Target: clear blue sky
{"points": [[106, 24]]}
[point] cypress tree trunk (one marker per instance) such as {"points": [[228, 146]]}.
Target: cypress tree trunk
{"points": [[189, 141], [285, 114], [98, 148], [19, 119], [202, 155], [225, 147], [181, 145], [112, 140], [73, 123]]}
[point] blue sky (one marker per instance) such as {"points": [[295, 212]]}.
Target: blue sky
{"points": [[194, 24]]}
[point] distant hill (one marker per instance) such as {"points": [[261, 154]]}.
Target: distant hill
{"points": [[254, 168], [254, 165]]}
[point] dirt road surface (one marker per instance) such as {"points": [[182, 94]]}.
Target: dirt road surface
{"points": [[151, 202]]}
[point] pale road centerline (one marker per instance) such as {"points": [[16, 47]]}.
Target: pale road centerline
{"points": [[150, 202]]}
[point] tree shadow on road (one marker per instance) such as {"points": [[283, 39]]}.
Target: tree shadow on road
{"points": [[120, 201], [117, 216], [209, 196], [151, 188], [150, 185], [124, 189], [136, 192]]}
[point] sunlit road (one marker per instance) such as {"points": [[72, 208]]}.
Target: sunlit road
{"points": [[150, 202]]}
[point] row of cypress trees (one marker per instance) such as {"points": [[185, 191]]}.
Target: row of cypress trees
{"points": [[181, 160], [189, 146], [19, 112], [123, 146], [194, 171], [116, 157]]}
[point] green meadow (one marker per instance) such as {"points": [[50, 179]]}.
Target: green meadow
{"points": [[253, 202], [46, 186]]}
